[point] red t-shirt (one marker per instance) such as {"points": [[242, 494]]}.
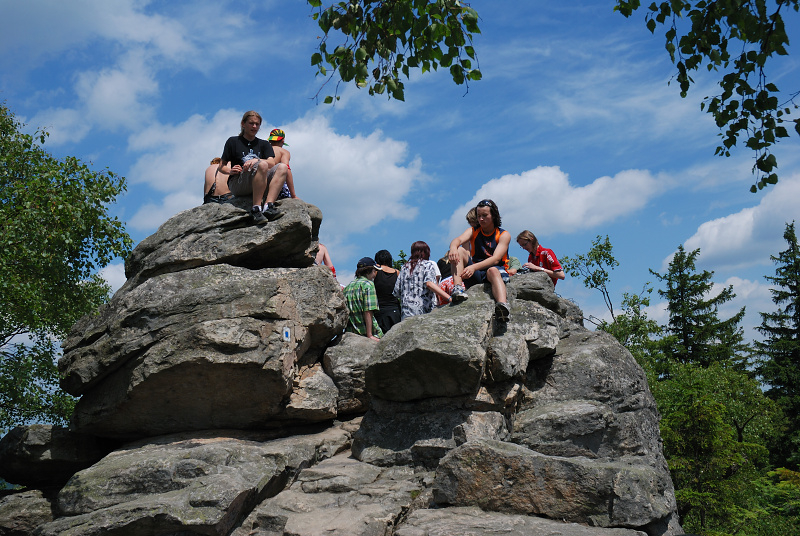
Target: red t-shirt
{"points": [[546, 259]]}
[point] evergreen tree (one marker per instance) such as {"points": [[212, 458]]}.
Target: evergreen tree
{"points": [[695, 334], [779, 353]]}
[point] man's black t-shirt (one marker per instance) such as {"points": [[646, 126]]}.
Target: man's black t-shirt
{"points": [[239, 150]]}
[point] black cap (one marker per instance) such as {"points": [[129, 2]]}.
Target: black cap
{"points": [[366, 261]]}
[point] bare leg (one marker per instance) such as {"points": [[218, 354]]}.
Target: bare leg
{"points": [[276, 183], [458, 267], [498, 287], [260, 182]]}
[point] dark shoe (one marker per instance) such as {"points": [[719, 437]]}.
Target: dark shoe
{"points": [[502, 312], [459, 294], [258, 217], [271, 213]]}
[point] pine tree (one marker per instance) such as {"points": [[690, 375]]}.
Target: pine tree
{"points": [[695, 334], [779, 353]]}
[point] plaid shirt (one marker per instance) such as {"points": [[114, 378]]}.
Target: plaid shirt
{"points": [[360, 297]]}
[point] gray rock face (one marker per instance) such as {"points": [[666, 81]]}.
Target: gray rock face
{"points": [[476, 522], [417, 434], [314, 395], [340, 496], [44, 456], [21, 513], [214, 234], [591, 399], [222, 361], [578, 440], [439, 354], [203, 329], [200, 484], [500, 476], [201, 310], [346, 364]]}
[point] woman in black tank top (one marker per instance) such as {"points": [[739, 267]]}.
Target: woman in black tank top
{"points": [[388, 313]]}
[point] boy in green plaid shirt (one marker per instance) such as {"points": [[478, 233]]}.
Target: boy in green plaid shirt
{"points": [[362, 302]]}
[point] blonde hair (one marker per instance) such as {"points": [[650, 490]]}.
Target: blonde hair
{"points": [[250, 113], [528, 236], [472, 217]]}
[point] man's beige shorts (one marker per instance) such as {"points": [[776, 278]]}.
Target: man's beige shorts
{"points": [[242, 184]]}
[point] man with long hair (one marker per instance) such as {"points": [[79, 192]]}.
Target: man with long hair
{"points": [[252, 169], [486, 260]]}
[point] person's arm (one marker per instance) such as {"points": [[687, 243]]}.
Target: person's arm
{"points": [[290, 182], [223, 166], [398, 287], [368, 322], [554, 274], [326, 258], [452, 255], [224, 170], [438, 291]]}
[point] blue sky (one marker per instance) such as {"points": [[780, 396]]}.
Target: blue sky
{"points": [[574, 131]]}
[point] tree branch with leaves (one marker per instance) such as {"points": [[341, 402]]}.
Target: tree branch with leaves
{"points": [[594, 267], [737, 38], [382, 40]]}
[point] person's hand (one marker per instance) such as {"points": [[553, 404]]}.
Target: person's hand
{"points": [[452, 255], [235, 170], [467, 273]]}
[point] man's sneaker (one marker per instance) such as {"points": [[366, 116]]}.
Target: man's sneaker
{"points": [[258, 217], [502, 312], [271, 213], [459, 294]]}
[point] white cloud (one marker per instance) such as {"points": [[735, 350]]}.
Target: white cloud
{"points": [[169, 163], [754, 296], [121, 90], [544, 201], [63, 125], [748, 237], [46, 28], [114, 274], [115, 98], [152, 215]]}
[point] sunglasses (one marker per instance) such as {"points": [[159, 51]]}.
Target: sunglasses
{"points": [[485, 203]]}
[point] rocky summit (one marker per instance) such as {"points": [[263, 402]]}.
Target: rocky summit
{"points": [[219, 396]]}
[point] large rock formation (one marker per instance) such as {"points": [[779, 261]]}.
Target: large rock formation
{"points": [[225, 401]]}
